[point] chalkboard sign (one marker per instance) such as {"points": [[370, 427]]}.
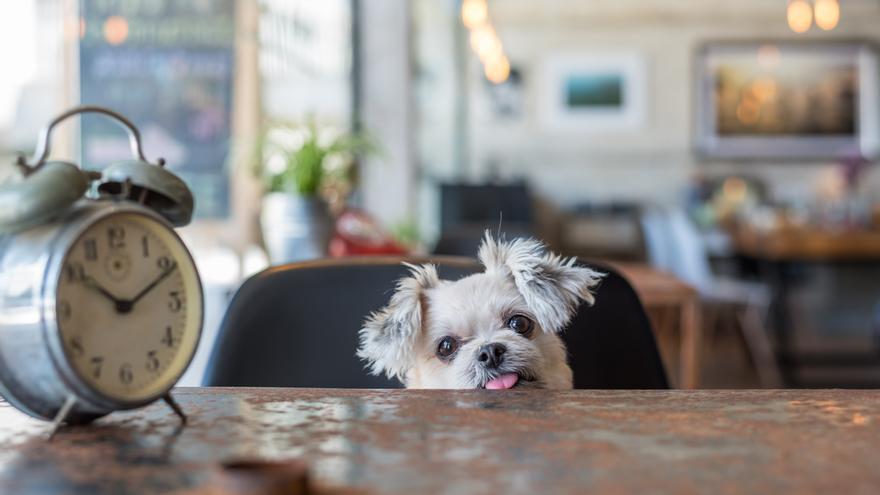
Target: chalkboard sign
{"points": [[168, 66]]}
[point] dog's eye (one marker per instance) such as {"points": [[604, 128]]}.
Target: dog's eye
{"points": [[520, 324], [447, 347]]}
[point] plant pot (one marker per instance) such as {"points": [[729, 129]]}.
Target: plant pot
{"points": [[295, 228]]}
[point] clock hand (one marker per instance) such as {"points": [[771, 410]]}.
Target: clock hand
{"points": [[122, 306], [153, 284], [92, 284]]}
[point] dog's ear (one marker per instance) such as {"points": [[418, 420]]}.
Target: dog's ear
{"points": [[389, 335], [553, 287]]}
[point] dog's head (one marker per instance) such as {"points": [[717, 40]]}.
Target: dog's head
{"points": [[495, 329]]}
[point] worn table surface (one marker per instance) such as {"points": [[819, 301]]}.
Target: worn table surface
{"points": [[467, 442]]}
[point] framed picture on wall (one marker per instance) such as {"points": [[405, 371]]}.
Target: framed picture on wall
{"points": [[796, 100], [598, 92]]}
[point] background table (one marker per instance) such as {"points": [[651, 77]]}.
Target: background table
{"points": [[468, 441], [807, 243], [784, 258]]}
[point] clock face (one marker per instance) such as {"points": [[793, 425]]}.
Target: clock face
{"points": [[128, 307]]}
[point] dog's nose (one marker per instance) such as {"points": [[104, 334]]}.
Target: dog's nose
{"points": [[492, 355]]}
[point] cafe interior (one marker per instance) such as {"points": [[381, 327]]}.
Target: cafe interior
{"points": [[711, 160]]}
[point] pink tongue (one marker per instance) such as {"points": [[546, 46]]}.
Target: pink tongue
{"points": [[502, 382]]}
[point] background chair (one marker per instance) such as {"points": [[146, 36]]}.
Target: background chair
{"points": [[296, 326], [468, 210], [674, 244]]}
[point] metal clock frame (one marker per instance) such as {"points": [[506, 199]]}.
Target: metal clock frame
{"points": [[45, 334]]}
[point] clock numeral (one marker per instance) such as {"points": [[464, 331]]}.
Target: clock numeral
{"points": [[152, 361], [75, 272], [145, 246], [164, 262], [116, 237], [90, 246], [76, 346], [64, 310], [97, 363], [125, 374], [168, 338], [175, 304]]}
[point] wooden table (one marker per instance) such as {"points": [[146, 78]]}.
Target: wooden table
{"points": [[397, 441], [659, 291], [807, 244]]}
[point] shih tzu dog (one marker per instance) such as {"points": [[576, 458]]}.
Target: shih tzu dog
{"points": [[495, 330]]}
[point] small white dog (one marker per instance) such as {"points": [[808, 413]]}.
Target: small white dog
{"points": [[495, 330]]}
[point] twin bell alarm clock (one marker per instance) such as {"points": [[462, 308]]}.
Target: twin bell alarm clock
{"points": [[100, 301]]}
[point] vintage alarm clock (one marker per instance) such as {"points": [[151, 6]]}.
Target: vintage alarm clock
{"points": [[100, 301]]}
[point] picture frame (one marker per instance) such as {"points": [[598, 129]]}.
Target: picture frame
{"points": [[593, 92], [787, 100]]}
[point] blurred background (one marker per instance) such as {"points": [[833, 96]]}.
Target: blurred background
{"points": [[720, 154]]}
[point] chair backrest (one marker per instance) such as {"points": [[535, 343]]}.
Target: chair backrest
{"points": [[674, 244], [296, 326], [483, 205], [467, 211]]}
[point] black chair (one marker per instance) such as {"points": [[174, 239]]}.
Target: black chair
{"points": [[468, 210], [296, 326]]}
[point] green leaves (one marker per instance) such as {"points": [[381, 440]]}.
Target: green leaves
{"points": [[302, 159]]}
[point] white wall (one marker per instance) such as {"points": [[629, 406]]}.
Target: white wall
{"points": [[655, 162]]}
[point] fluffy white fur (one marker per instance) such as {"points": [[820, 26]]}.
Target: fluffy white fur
{"points": [[520, 278]]}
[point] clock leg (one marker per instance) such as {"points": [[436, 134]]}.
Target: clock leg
{"points": [[174, 407], [62, 415]]}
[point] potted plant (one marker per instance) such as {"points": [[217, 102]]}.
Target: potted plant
{"points": [[302, 168]]}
